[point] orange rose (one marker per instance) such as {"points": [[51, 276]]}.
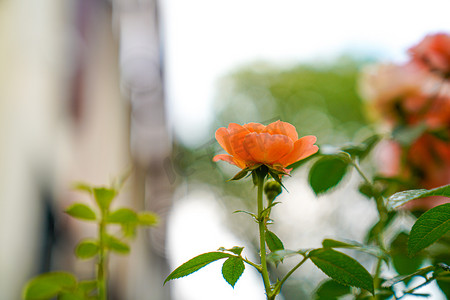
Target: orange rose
{"points": [[276, 145]]}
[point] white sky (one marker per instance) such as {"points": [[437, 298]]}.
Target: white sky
{"points": [[196, 227], [206, 39]]}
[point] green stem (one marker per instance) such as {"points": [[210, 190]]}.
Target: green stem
{"points": [[377, 279], [411, 290], [361, 173], [382, 211], [102, 264], [262, 233], [280, 284], [383, 215], [257, 267]]}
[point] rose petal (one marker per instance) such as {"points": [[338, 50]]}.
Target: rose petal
{"points": [[234, 128], [223, 137], [303, 148], [230, 159], [282, 128], [266, 148], [255, 127], [236, 136]]}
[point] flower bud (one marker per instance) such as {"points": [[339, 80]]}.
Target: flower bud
{"points": [[272, 189]]}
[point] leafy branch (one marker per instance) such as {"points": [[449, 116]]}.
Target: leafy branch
{"points": [[336, 265], [65, 285]]}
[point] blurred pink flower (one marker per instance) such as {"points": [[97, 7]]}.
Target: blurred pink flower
{"points": [[404, 96], [385, 82], [387, 155], [397, 92]]}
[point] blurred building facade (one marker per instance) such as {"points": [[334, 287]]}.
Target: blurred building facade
{"points": [[82, 100]]}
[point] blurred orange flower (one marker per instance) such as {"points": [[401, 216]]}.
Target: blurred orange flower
{"points": [[433, 52], [276, 145], [431, 156]]}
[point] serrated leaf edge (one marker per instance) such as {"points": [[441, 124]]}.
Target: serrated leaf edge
{"points": [[173, 275], [312, 257]]}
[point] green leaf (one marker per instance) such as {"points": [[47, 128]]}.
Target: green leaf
{"points": [[81, 211], [327, 172], [116, 245], [421, 272], [84, 187], [196, 264], [273, 242], [278, 256], [232, 269], [401, 198], [48, 285], [329, 243], [255, 217], [147, 218], [354, 150], [369, 144], [342, 268], [87, 249], [399, 254], [87, 286], [236, 250], [373, 232], [276, 177], [331, 290], [361, 150], [239, 175], [444, 285], [71, 296], [129, 229], [104, 197], [368, 190], [372, 250], [122, 216], [429, 228], [271, 205], [406, 135]]}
